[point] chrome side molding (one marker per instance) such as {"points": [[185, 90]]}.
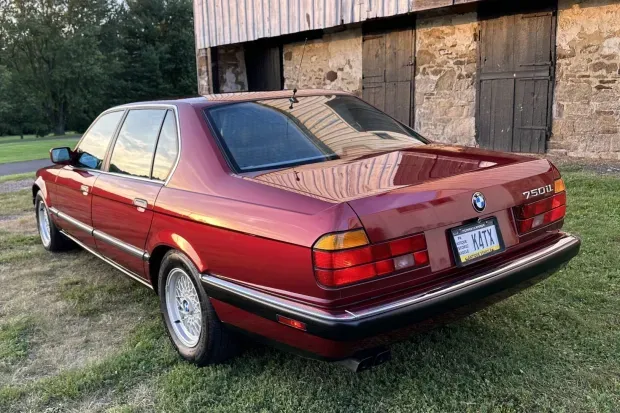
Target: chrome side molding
{"points": [[128, 273], [102, 236], [129, 249]]}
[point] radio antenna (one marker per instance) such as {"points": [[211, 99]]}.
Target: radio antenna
{"points": [[293, 99]]}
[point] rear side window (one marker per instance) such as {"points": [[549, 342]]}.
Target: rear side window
{"points": [[92, 149], [167, 148], [135, 145]]}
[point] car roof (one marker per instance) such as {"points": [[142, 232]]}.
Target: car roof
{"points": [[217, 98]]}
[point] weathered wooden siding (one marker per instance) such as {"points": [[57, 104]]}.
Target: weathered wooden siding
{"points": [[219, 22]]}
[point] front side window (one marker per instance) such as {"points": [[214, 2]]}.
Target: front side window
{"points": [[269, 134], [135, 145], [167, 148], [92, 149]]}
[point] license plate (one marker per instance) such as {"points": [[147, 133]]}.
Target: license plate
{"points": [[476, 241]]}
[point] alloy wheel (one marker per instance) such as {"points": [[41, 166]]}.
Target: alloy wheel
{"points": [[183, 306]]}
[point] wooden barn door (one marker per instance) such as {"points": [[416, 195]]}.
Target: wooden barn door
{"points": [[387, 72], [515, 80]]}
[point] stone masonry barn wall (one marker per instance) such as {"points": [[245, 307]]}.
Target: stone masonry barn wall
{"points": [[587, 90], [332, 62], [445, 79]]}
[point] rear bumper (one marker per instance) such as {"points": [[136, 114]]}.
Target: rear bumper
{"points": [[352, 325]]}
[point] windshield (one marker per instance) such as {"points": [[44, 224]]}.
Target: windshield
{"points": [[267, 134]]}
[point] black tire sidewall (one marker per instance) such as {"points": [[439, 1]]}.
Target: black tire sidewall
{"points": [[38, 200], [199, 353]]}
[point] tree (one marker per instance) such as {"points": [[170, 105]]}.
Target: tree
{"points": [[157, 40], [52, 49], [64, 61]]}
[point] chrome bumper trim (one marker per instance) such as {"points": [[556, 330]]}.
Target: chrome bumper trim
{"points": [[565, 243]]}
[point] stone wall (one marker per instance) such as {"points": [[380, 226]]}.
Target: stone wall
{"points": [[587, 91], [332, 62], [203, 72], [445, 79], [231, 68]]}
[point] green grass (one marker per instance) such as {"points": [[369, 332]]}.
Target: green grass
{"points": [[28, 150], [554, 347], [17, 177], [14, 340], [17, 138], [15, 202]]}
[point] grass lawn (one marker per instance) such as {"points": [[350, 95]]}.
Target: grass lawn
{"points": [[17, 177], [75, 335], [17, 138], [28, 150]]}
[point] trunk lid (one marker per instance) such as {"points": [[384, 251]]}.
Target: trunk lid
{"points": [[346, 180]]}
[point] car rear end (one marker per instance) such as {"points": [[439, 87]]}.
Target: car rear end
{"points": [[441, 231], [424, 255]]}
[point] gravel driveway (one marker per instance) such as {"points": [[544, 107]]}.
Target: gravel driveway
{"points": [[13, 186]]}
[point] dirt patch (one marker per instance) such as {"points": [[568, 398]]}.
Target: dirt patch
{"points": [[51, 289], [13, 186]]}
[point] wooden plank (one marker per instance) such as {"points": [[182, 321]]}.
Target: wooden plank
{"points": [[484, 113], [497, 41], [399, 55], [502, 114], [398, 102], [373, 59], [375, 95]]}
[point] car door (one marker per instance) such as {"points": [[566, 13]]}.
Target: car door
{"points": [[71, 195], [123, 196]]}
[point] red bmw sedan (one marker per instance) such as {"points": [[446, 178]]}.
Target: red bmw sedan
{"points": [[314, 222]]}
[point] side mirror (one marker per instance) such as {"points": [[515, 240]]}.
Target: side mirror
{"points": [[89, 161], [61, 156]]}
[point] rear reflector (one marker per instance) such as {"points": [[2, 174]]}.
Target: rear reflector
{"points": [[335, 268], [291, 323], [544, 212]]}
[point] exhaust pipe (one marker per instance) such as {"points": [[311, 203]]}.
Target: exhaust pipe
{"points": [[367, 360]]}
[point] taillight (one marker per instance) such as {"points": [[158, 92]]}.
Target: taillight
{"points": [[347, 258], [544, 212]]}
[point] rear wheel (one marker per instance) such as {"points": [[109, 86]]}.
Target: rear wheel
{"points": [[51, 237], [191, 322]]}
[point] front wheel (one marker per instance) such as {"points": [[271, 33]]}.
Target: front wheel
{"points": [[191, 322], [51, 237]]}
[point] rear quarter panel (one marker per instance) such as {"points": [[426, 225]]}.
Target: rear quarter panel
{"points": [[253, 243]]}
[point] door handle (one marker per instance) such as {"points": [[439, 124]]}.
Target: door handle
{"points": [[140, 203], [84, 189]]}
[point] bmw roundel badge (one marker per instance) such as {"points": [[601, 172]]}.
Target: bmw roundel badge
{"points": [[478, 202]]}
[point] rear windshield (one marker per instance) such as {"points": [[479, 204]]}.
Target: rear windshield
{"points": [[268, 134]]}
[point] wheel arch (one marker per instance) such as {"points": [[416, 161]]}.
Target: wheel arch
{"points": [[167, 242], [39, 185]]}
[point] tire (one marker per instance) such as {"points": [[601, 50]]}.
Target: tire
{"points": [[202, 340], [51, 237]]}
